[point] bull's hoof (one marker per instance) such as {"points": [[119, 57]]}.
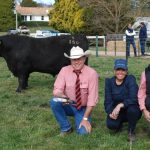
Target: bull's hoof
{"points": [[18, 90]]}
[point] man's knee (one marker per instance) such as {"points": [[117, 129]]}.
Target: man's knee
{"points": [[53, 103], [82, 131]]}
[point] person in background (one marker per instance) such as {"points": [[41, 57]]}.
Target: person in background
{"points": [[121, 103], [143, 37], [144, 94], [130, 33], [79, 83]]}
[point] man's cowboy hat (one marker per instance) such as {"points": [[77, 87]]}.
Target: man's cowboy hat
{"points": [[77, 52]]}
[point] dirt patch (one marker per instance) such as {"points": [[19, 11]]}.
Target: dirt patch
{"points": [[120, 46]]}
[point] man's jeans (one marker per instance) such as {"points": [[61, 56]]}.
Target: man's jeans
{"points": [[142, 45], [128, 42], [62, 111]]}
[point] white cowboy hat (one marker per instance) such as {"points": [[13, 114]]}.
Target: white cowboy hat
{"points": [[77, 52]]}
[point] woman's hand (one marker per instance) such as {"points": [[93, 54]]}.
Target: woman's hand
{"points": [[146, 114], [116, 111]]}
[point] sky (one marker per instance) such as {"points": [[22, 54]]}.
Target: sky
{"points": [[46, 1]]}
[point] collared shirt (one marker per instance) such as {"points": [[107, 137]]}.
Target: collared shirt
{"points": [[66, 80], [142, 91]]}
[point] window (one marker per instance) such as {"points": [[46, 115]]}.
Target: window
{"points": [[25, 18], [42, 17], [30, 17]]}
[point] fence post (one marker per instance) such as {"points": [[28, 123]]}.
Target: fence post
{"points": [[96, 45], [105, 45], [138, 47], [115, 45]]}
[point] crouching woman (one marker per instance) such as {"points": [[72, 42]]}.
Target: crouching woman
{"points": [[121, 103]]}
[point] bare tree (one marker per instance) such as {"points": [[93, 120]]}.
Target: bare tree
{"points": [[141, 8], [109, 16]]}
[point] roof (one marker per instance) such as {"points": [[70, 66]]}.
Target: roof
{"points": [[33, 10]]}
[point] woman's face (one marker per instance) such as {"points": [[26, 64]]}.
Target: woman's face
{"points": [[120, 74]]}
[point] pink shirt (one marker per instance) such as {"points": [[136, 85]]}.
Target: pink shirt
{"points": [[142, 91], [65, 83]]}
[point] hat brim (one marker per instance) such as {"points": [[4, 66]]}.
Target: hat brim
{"points": [[86, 53], [120, 67]]}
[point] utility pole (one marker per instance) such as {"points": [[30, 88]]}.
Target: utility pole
{"points": [[16, 14]]}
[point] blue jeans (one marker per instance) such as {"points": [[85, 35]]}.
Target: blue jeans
{"points": [[128, 42], [61, 112], [142, 45]]}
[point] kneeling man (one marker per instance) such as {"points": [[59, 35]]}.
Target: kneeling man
{"points": [[78, 83]]}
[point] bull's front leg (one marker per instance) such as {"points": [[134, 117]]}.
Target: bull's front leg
{"points": [[23, 83]]}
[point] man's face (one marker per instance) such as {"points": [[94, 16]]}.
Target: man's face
{"points": [[141, 25], [129, 26], [78, 63]]}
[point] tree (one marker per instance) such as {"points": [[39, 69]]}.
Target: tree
{"points": [[107, 16], [112, 16], [67, 16], [28, 3], [141, 8], [7, 17]]}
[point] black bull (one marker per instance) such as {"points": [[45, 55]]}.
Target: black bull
{"points": [[25, 55]]}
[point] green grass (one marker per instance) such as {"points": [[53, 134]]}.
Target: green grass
{"points": [[26, 125]]}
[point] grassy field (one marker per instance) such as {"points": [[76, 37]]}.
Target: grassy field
{"points": [[27, 122]]}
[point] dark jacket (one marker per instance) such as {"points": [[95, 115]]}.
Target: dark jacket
{"points": [[125, 93], [147, 74], [143, 33], [147, 100]]}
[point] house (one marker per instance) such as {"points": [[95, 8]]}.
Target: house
{"points": [[34, 13], [146, 20]]}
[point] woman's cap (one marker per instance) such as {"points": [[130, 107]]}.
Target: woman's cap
{"points": [[120, 64]]}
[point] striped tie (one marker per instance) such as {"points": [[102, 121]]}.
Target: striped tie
{"points": [[77, 90]]}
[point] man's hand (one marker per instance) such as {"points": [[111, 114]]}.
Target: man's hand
{"points": [[146, 114], [87, 125], [116, 111], [61, 95]]}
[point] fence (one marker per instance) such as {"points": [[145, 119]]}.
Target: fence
{"points": [[114, 45]]}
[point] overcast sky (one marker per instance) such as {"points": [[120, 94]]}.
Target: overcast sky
{"points": [[46, 1]]}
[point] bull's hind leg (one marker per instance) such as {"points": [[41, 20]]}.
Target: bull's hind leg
{"points": [[26, 82], [23, 83]]}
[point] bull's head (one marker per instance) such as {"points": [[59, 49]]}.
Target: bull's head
{"points": [[73, 41]]}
